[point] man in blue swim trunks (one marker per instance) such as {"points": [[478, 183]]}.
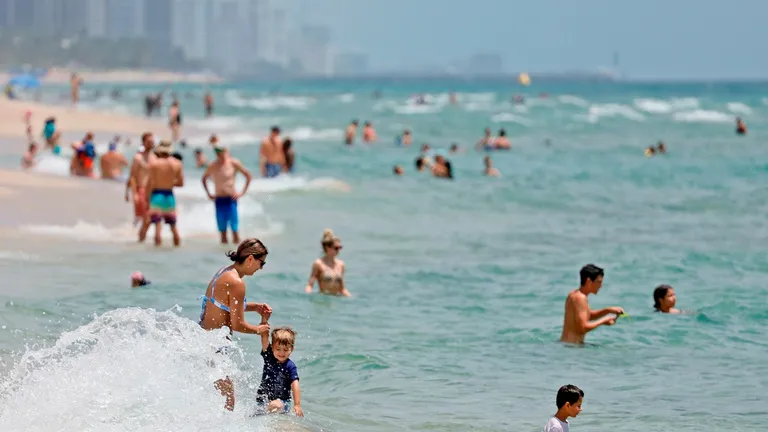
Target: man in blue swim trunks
{"points": [[165, 173], [223, 171], [272, 154]]}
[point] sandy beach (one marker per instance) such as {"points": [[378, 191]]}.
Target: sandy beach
{"points": [[124, 76], [70, 119]]}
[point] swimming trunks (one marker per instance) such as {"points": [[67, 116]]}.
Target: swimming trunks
{"points": [[273, 170], [226, 213], [162, 205]]}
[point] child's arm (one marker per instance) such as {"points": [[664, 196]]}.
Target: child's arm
{"points": [[264, 336], [297, 398]]}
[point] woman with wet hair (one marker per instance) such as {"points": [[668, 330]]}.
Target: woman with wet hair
{"points": [[224, 303], [664, 299], [328, 271]]}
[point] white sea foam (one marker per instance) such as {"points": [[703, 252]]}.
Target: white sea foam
{"points": [[130, 369], [573, 100], [739, 108], [598, 111], [665, 106], [703, 116], [510, 118]]}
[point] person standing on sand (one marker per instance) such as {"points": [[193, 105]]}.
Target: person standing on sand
{"points": [[272, 154], [223, 171], [224, 302], [165, 173], [74, 83], [579, 319], [138, 179], [112, 163], [174, 120], [28, 160]]}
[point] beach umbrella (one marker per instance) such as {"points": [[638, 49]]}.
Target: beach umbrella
{"points": [[25, 81]]}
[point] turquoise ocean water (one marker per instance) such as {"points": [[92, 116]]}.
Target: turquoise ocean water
{"points": [[458, 287]]}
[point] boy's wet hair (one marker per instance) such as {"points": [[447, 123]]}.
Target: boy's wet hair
{"points": [[568, 393], [591, 272], [285, 336]]}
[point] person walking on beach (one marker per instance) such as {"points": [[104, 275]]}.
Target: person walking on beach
{"points": [[74, 82], [208, 103], [328, 271], [165, 173], [579, 319], [28, 160], [226, 292], [174, 116], [272, 154], [137, 181], [223, 171], [113, 162]]}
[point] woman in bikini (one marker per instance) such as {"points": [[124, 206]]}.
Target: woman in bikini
{"points": [[328, 271], [224, 303]]}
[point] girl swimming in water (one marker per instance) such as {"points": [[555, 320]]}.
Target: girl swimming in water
{"points": [[226, 298], [328, 271], [664, 299]]}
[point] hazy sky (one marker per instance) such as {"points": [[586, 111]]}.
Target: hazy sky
{"points": [[674, 39]]}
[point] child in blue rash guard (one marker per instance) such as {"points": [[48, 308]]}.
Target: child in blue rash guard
{"points": [[280, 376]]}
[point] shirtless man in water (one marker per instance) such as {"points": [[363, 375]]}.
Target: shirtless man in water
{"points": [[137, 181], [223, 171], [579, 318], [165, 173], [112, 163], [349, 136], [272, 154]]}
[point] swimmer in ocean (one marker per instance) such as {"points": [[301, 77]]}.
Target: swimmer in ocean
{"points": [[741, 128], [398, 170], [225, 304], [223, 171], [486, 142], [490, 171], [405, 139], [290, 155], [369, 133], [200, 159], [661, 148], [113, 162], [272, 154], [579, 319], [349, 136], [502, 142], [664, 299], [328, 271], [165, 173], [650, 151], [442, 168]]}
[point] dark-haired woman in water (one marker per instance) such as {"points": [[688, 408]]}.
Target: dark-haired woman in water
{"points": [[664, 299], [224, 303]]}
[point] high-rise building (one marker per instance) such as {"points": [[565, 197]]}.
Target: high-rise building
{"points": [[19, 14], [96, 18], [125, 18], [280, 45], [190, 24], [225, 46], [158, 25], [314, 50]]}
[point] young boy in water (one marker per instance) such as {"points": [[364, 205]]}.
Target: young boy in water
{"points": [[280, 376], [569, 399]]}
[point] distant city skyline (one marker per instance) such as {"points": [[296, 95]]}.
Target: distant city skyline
{"points": [[681, 39], [684, 39]]}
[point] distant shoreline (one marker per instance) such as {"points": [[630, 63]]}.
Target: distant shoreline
{"points": [[122, 76]]}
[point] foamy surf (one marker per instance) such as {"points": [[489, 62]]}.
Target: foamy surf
{"points": [[703, 116], [130, 369], [195, 220]]}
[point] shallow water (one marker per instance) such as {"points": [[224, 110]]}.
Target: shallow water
{"points": [[458, 286]]}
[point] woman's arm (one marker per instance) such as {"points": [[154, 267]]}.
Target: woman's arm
{"points": [[344, 291], [237, 309], [312, 278]]}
